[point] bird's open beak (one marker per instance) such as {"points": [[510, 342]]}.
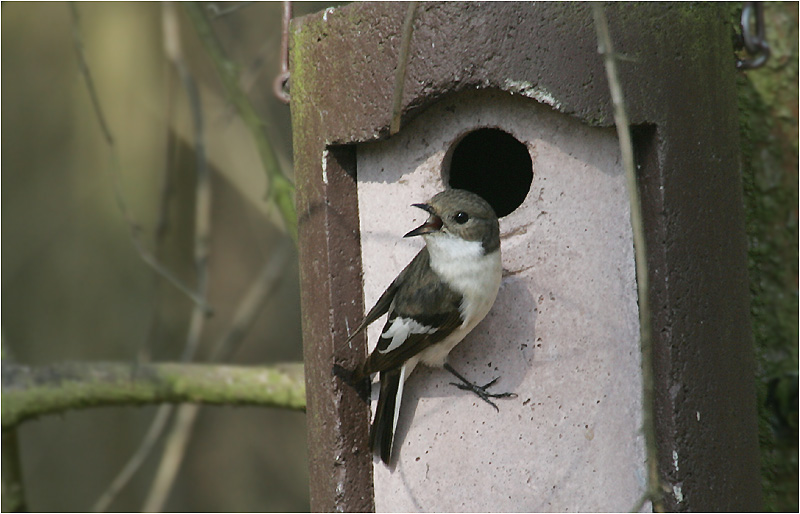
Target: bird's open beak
{"points": [[433, 224]]}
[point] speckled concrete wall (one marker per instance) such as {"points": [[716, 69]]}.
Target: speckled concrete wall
{"points": [[563, 333]]}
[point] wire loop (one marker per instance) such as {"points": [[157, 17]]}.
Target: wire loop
{"points": [[755, 44]]}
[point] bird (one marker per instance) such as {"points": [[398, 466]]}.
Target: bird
{"points": [[438, 298]]}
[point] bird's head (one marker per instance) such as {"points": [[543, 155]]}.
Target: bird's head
{"points": [[462, 214]]}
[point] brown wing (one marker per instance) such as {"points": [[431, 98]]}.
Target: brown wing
{"points": [[385, 301], [422, 297]]}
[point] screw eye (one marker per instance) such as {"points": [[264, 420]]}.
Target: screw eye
{"points": [[461, 217]]}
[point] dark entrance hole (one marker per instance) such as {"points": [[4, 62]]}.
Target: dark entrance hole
{"points": [[493, 164]]}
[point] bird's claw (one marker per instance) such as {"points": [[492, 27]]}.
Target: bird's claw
{"points": [[482, 393]]}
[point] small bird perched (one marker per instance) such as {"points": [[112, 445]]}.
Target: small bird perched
{"points": [[441, 295]]}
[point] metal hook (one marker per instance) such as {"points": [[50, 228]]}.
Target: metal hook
{"points": [[281, 84], [756, 44]]}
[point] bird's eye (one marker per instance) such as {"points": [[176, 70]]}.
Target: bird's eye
{"points": [[461, 217]]}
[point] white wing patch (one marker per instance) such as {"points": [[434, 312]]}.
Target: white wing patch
{"points": [[400, 329]]}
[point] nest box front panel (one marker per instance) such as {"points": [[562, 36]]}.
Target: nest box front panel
{"points": [[563, 333]]}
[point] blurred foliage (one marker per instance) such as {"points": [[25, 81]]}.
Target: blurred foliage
{"points": [[768, 103], [75, 288]]}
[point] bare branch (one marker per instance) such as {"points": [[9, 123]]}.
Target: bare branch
{"points": [[253, 302], [250, 306], [202, 219], [29, 392], [605, 48], [171, 458], [219, 12], [159, 422], [77, 42], [136, 460], [162, 224], [247, 311], [133, 226], [281, 190], [174, 448]]}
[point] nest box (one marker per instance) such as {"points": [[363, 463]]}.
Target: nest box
{"points": [[510, 101]]}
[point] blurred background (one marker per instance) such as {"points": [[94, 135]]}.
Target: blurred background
{"points": [[74, 287]]}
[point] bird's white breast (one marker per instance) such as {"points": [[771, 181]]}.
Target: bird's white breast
{"points": [[475, 275], [465, 268]]}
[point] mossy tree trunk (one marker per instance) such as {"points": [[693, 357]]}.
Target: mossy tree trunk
{"points": [[768, 103]]}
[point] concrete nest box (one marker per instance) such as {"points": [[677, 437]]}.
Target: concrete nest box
{"points": [[510, 101]]}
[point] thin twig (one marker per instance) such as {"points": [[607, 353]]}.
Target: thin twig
{"points": [[605, 48], [77, 41], [136, 460], [162, 220], [158, 423], [246, 313], [281, 190], [171, 459], [168, 466], [253, 302], [219, 12], [173, 52], [133, 226], [202, 231], [402, 64]]}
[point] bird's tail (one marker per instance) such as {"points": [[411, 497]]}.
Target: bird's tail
{"points": [[381, 436]]}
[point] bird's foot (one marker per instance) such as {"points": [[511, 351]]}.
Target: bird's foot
{"points": [[353, 379], [480, 391]]}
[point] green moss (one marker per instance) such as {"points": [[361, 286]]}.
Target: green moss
{"points": [[32, 392], [301, 36], [769, 146]]}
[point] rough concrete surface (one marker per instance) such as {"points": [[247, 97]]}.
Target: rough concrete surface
{"points": [[563, 333]]}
